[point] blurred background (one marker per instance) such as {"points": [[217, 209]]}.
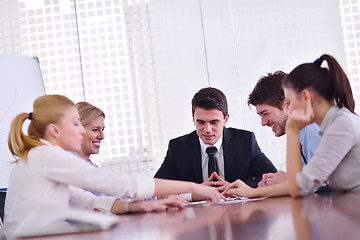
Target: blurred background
{"points": [[141, 62]]}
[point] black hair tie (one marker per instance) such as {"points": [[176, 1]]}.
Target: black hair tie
{"points": [[318, 61], [30, 116]]}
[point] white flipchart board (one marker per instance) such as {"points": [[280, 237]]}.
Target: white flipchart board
{"points": [[21, 84]]}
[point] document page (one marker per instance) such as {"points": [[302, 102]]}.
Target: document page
{"points": [[227, 201]]}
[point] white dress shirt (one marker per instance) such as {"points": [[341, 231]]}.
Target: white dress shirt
{"points": [[219, 156]]}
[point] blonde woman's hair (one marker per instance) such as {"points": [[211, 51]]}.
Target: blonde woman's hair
{"points": [[88, 112], [46, 110]]}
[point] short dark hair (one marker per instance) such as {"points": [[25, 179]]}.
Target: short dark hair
{"points": [[210, 98], [269, 90]]}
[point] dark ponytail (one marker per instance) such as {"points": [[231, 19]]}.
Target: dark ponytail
{"points": [[331, 83], [342, 90]]}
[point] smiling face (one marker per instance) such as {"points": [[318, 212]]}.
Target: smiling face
{"points": [[273, 117], [94, 134], [69, 130], [209, 124]]}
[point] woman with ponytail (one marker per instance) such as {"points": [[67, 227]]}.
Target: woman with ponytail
{"points": [[47, 175], [322, 95]]}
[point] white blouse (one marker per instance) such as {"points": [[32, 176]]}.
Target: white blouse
{"points": [[52, 177], [337, 159]]}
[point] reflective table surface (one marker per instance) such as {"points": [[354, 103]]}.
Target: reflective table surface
{"points": [[329, 215]]}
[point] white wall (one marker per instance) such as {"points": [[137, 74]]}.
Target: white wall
{"points": [[194, 43], [242, 41]]}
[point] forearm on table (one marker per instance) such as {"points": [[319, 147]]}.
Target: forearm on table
{"points": [[122, 206], [276, 190], [167, 187], [293, 161]]}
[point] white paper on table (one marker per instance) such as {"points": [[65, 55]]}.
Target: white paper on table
{"points": [[240, 199], [227, 201]]}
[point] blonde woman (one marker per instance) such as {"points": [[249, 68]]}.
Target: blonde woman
{"points": [[47, 175], [93, 120]]}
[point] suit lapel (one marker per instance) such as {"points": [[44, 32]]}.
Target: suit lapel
{"points": [[195, 155], [228, 155]]}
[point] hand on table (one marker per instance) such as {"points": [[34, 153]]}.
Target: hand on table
{"points": [[162, 204], [204, 192], [237, 189], [272, 178], [173, 201]]}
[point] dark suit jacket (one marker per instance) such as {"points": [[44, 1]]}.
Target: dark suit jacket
{"points": [[243, 158]]}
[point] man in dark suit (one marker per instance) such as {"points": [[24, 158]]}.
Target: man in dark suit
{"points": [[237, 154]]}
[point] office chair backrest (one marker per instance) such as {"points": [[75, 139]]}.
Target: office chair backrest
{"points": [[2, 204]]}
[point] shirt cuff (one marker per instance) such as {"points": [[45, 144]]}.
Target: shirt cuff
{"points": [[186, 196], [103, 204], [306, 183]]}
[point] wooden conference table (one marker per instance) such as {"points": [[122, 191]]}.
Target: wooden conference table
{"points": [[330, 215]]}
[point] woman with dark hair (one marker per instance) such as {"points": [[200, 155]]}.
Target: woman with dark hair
{"points": [[324, 96]]}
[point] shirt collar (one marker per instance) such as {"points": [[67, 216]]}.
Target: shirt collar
{"points": [[330, 115], [78, 155], [217, 144], [45, 141]]}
